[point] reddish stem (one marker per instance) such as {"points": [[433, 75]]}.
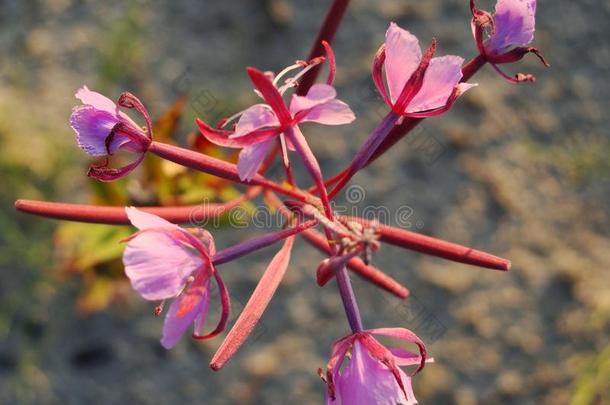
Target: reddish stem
{"points": [[327, 33], [472, 67], [366, 150], [117, 216], [217, 167], [343, 282], [436, 247], [257, 243]]}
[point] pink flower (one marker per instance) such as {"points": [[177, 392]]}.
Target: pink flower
{"points": [[164, 261], [509, 32], [417, 86], [373, 374], [101, 130], [260, 126]]}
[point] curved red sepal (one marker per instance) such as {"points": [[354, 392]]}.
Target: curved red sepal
{"points": [[332, 63], [221, 137], [271, 95], [255, 306]]}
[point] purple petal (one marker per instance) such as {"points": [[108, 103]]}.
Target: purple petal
{"points": [[406, 335], [256, 117], [158, 265], [443, 74], [143, 220], [187, 309], [403, 55], [404, 358], [515, 23], [92, 127], [333, 112], [367, 381], [317, 95], [203, 314], [251, 158], [96, 100]]}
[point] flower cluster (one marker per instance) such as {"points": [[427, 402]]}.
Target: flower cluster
{"points": [[164, 261]]}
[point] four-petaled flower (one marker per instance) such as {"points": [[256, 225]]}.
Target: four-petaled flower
{"points": [[417, 86], [102, 129], [164, 261], [373, 374], [510, 31], [260, 125]]}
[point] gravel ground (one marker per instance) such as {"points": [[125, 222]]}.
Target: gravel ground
{"points": [[521, 171]]}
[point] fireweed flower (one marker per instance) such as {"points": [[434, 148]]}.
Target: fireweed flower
{"points": [[102, 130], [260, 125], [504, 37], [164, 261], [417, 86], [373, 374]]}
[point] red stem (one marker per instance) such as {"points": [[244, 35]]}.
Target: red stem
{"points": [[216, 167], [117, 216], [248, 246], [327, 33], [436, 247]]}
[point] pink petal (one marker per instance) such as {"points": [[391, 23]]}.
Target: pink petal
{"points": [[515, 23], [338, 351], [251, 157], [183, 312], [318, 94], [143, 220], [443, 74], [92, 127], [255, 307], [256, 117], [199, 322], [333, 112], [407, 335], [402, 56], [404, 358], [366, 381], [96, 100], [158, 265]]}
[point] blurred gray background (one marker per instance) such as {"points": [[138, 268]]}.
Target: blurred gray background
{"points": [[521, 171]]}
